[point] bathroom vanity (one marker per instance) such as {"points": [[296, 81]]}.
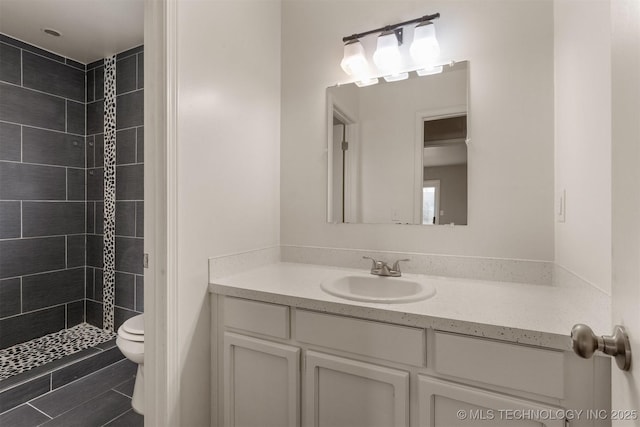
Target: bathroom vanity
{"points": [[286, 353]]}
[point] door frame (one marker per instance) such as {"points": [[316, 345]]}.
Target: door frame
{"points": [[162, 359], [421, 117]]}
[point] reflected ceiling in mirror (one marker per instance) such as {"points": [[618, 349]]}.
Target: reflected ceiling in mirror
{"points": [[397, 151]]}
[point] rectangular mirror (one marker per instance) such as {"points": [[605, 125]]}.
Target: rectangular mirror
{"points": [[397, 151]]}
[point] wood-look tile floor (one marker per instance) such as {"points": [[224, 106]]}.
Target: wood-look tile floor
{"points": [[100, 399]]}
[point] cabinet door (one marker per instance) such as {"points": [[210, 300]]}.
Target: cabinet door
{"points": [[341, 392], [262, 383], [446, 404]]}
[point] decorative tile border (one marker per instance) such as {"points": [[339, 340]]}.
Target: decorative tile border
{"points": [[109, 192], [37, 352]]}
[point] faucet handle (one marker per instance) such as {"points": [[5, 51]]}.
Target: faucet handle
{"points": [[374, 263], [396, 265]]}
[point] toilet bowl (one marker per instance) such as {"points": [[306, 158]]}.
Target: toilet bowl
{"points": [[130, 341]]}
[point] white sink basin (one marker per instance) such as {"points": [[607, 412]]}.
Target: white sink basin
{"points": [[370, 288]]}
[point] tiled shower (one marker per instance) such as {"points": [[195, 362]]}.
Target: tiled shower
{"points": [[51, 208]]}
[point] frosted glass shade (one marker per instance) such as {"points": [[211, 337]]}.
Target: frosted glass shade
{"points": [[425, 48], [387, 55], [354, 62]]}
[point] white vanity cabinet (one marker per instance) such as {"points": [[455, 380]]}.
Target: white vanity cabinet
{"points": [[277, 365]]}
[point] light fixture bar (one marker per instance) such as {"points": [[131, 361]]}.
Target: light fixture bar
{"points": [[391, 27]]}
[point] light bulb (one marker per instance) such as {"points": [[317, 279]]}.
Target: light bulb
{"points": [[425, 49], [354, 62], [387, 56]]}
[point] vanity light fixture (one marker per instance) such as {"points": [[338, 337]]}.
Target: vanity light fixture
{"points": [[425, 49], [387, 57]]}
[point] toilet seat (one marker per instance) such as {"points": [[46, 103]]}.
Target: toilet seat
{"points": [[130, 337], [133, 329]]}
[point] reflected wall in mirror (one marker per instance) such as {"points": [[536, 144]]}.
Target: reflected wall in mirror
{"points": [[397, 151]]}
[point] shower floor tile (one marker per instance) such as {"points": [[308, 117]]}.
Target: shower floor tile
{"points": [[40, 351]]}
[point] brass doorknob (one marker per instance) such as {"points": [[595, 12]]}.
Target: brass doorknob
{"points": [[585, 343]]}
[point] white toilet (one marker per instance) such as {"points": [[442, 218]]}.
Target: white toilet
{"points": [[130, 341]]}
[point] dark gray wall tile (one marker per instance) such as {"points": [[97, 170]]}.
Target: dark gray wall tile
{"points": [[126, 219], [76, 64], [121, 315], [140, 293], [125, 290], [97, 287], [140, 145], [47, 289], [126, 146], [99, 88], [140, 70], [90, 150], [139, 219], [95, 64], [9, 220], [129, 254], [75, 184], [99, 217], [130, 110], [63, 399], [91, 217], [22, 45], [94, 313], [52, 218], [18, 105], [22, 393], [47, 368], [91, 82], [9, 64], [52, 148], [126, 74], [95, 184], [30, 256], [130, 182], [75, 313], [99, 150], [94, 250], [85, 367], [76, 250], [52, 77], [32, 182], [75, 117], [130, 52], [88, 282], [27, 416], [95, 117], [9, 297], [9, 142], [17, 329]]}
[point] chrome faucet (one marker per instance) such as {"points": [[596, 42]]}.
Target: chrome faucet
{"points": [[381, 268]]}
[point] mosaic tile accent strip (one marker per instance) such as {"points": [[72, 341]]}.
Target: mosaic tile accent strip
{"points": [[37, 352], [108, 288]]}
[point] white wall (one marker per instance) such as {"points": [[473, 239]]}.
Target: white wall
{"points": [[510, 48], [228, 161], [583, 138]]}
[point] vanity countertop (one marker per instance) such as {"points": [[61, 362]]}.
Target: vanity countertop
{"points": [[536, 315]]}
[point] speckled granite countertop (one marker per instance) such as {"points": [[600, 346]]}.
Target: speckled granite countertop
{"points": [[528, 314]]}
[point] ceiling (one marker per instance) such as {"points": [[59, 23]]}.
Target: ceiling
{"points": [[91, 29]]}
